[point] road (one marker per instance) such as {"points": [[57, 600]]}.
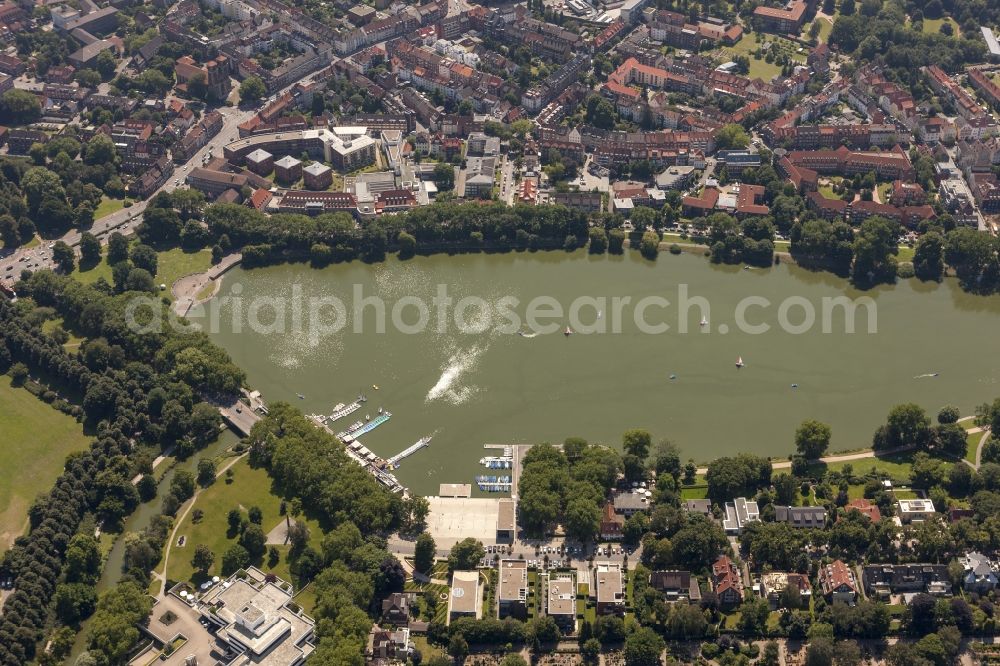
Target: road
{"points": [[125, 220], [508, 188]]}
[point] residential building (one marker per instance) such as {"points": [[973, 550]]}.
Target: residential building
{"points": [[837, 582], [287, 170], [396, 609], [345, 148], [19, 141], [727, 582], [736, 161], [914, 510], [863, 506], [881, 580], [676, 585], [213, 183], [979, 573], [891, 164], [215, 73], [260, 162], [699, 506], [317, 176], [590, 202], [315, 203], [612, 524], [560, 601], [992, 46], [813, 517], [512, 589], [386, 646], [787, 20], [739, 513], [465, 598], [609, 589], [480, 174], [773, 586]]}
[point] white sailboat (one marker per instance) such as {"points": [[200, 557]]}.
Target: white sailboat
{"points": [[739, 362], [703, 323]]}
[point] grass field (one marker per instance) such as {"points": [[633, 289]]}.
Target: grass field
{"points": [[249, 487], [36, 441], [50, 326], [676, 238], [108, 206], [971, 444], [933, 26], [172, 264], [905, 253], [694, 492], [760, 67], [897, 466]]}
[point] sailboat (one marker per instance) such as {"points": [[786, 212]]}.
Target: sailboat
{"points": [[703, 322], [568, 332], [739, 362]]}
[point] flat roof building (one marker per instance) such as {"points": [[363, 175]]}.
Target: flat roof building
{"points": [[561, 602], [991, 43], [739, 513], [610, 591], [465, 597], [506, 520], [512, 590]]}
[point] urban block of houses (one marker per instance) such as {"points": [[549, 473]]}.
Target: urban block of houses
{"points": [[465, 598], [512, 589], [785, 20], [676, 585], [250, 614], [344, 148], [727, 582], [560, 602], [801, 516], [837, 582], [609, 589], [914, 510], [739, 513], [881, 580]]}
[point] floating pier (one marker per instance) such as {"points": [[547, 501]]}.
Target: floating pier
{"points": [[353, 433], [494, 484], [393, 462], [342, 410]]}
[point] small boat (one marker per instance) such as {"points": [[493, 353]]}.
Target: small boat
{"points": [[568, 332], [795, 385], [673, 376], [379, 410], [368, 417], [703, 322], [375, 386], [600, 313], [739, 362], [301, 397]]}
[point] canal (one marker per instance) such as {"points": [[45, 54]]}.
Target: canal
{"points": [[927, 343]]}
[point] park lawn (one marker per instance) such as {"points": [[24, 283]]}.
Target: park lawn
{"points": [[855, 492], [677, 238], [694, 492], [91, 274], [933, 26], [36, 441], [885, 192], [441, 610], [971, 445], [782, 246], [905, 253], [171, 265], [50, 325], [108, 206], [760, 67], [249, 487], [176, 263], [306, 598], [825, 28], [898, 466], [427, 650]]}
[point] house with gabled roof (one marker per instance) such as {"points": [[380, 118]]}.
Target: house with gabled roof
{"points": [[838, 583]]}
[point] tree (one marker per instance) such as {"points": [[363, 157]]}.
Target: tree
{"points": [[144, 257], [466, 554], [928, 257], [731, 137], [753, 617], [637, 442], [591, 650], [252, 89], [64, 256], [117, 249], [423, 553], [582, 518], [444, 177], [820, 652], [458, 648], [908, 424], [235, 558], [949, 414], [544, 629], [643, 647], [253, 540], [649, 246], [20, 107], [812, 439], [90, 249], [203, 558], [206, 472], [785, 489]]}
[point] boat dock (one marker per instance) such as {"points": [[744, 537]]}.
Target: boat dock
{"points": [[342, 410], [393, 462], [352, 434]]}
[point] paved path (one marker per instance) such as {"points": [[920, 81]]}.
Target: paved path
{"points": [[185, 290], [979, 447], [177, 525], [839, 458]]}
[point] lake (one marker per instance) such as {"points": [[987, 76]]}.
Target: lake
{"points": [[932, 344]]}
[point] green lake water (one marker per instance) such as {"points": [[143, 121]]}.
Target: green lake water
{"points": [[472, 388]]}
